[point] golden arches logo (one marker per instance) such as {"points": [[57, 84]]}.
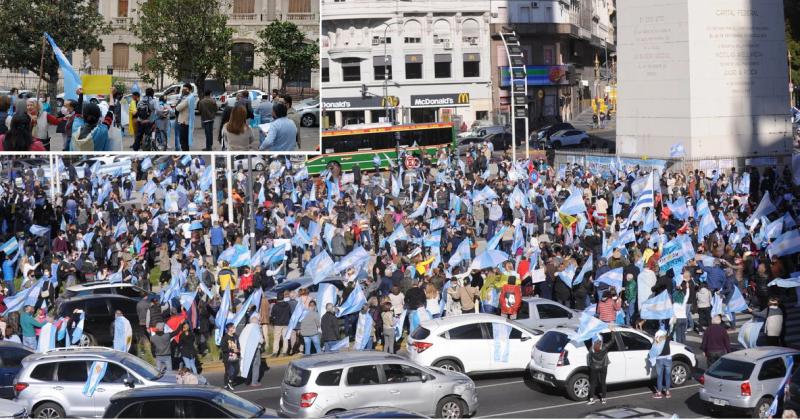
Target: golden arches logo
{"points": [[463, 98], [390, 101]]}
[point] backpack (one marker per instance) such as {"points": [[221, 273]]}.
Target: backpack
{"points": [[143, 109]]}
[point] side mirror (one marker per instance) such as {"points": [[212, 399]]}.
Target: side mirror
{"points": [[425, 378], [525, 338], [128, 382], [570, 315]]}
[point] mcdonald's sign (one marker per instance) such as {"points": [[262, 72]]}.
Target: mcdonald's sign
{"points": [[390, 101], [463, 98], [445, 100]]}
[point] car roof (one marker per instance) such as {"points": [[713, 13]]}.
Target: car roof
{"points": [[96, 296], [98, 285], [534, 299], [461, 319], [63, 353], [345, 358], [205, 392], [757, 353], [12, 345]]}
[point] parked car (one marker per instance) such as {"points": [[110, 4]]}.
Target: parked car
{"points": [[500, 141], [230, 98], [569, 138], [11, 355], [98, 329], [542, 136], [746, 380], [376, 413], [308, 112], [483, 131], [465, 343], [172, 93], [104, 288], [242, 162], [183, 402], [627, 412], [65, 371], [558, 362], [12, 410], [327, 383], [109, 165], [545, 314], [791, 396]]}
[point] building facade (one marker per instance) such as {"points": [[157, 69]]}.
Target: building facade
{"points": [[569, 46], [246, 17], [436, 57]]}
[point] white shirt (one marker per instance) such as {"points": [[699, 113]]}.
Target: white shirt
{"points": [[644, 284]]}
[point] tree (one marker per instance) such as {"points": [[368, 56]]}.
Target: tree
{"points": [[792, 12], [184, 39], [73, 24], [285, 51]]}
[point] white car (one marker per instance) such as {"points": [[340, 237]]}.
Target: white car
{"points": [[558, 362], [173, 93], [109, 165], [229, 99], [540, 313], [242, 162], [569, 138], [464, 344]]}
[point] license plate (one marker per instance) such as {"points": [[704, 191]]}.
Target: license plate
{"points": [[539, 376], [719, 402]]}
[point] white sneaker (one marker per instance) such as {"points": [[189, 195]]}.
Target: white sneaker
{"points": [[590, 402]]}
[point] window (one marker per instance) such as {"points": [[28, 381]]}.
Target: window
{"points": [[472, 65], [94, 59], [402, 373], [351, 69], [120, 57], [12, 357], [325, 69], [295, 376], [299, 6], [606, 338], [363, 375], [244, 6], [158, 409], [516, 334], [466, 332], [548, 311], [242, 58], [201, 410], [484, 115], [115, 374], [329, 378], [421, 332], [412, 32], [470, 32], [44, 372], [441, 66], [772, 369], [379, 65], [441, 32], [96, 307], [122, 8], [525, 308], [414, 66], [730, 370], [72, 371], [133, 411], [633, 341]]}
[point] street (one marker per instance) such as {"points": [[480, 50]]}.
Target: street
{"points": [[309, 139]]}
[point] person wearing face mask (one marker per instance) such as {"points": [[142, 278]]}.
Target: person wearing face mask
{"points": [[185, 109], [19, 137], [68, 112]]}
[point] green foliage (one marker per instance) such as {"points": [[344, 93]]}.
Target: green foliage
{"points": [[285, 51], [792, 12], [186, 39], [118, 84]]}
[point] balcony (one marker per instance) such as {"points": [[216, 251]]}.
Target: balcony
{"points": [[300, 17], [120, 22], [247, 17]]}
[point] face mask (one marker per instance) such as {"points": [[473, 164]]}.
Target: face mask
{"points": [[64, 110]]}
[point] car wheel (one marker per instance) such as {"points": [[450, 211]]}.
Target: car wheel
{"points": [[680, 373], [449, 365], [308, 120], [578, 387], [87, 340], [761, 408], [556, 144], [49, 411], [451, 408], [259, 167]]}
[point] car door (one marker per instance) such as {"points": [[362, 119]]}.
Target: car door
{"points": [[551, 315], [616, 358], [154, 409], [197, 409], [637, 347], [520, 345], [468, 344], [770, 376], [69, 381], [364, 387], [408, 388], [112, 382]]}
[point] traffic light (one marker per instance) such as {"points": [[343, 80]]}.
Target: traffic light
{"points": [[363, 91]]}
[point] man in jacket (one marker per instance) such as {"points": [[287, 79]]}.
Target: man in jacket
{"points": [[231, 354], [510, 298], [716, 341], [280, 315], [773, 323], [160, 344], [330, 328], [208, 111], [28, 324]]}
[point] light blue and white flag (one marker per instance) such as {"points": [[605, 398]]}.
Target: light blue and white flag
{"points": [[461, 254], [773, 229], [47, 338], [707, 226], [77, 333], [501, 342], [785, 244], [9, 246], [123, 334], [612, 278], [717, 306], [568, 274], [39, 230], [765, 208], [355, 301], [587, 266], [355, 258], [298, 314], [205, 289], [340, 345], [679, 209], [398, 325], [187, 298], [489, 258], [773, 407], [96, 374], [363, 331], [222, 316], [657, 307], [589, 327], [326, 294], [676, 151], [748, 334], [789, 283], [422, 206], [320, 267], [122, 228], [71, 78], [253, 300], [737, 302], [495, 240], [573, 204]]}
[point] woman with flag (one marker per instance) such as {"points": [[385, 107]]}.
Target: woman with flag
{"points": [[598, 366], [660, 358]]}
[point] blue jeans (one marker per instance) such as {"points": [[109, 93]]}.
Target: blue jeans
{"points": [[629, 311], [29, 342], [664, 372], [689, 319], [164, 362], [307, 344], [208, 127], [188, 362], [680, 331], [492, 225]]}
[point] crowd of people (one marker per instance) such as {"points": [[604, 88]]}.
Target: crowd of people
{"points": [[380, 252]]}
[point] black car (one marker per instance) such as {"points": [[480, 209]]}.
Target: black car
{"points": [[500, 141], [98, 328], [376, 413], [183, 402], [11, 355]]}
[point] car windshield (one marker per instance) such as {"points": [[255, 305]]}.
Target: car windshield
{"points": [[731, 370], [142, 368], [552, 342], [240, 407]]}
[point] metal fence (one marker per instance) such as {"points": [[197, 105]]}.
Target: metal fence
{"points": [[707, 164]]}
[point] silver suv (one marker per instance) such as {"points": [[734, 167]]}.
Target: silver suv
{"points": [[325, 384], [746, 380], [50, 385]]}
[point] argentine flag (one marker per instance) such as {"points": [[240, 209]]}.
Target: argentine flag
{"points": [[96, 374], [657, 307], [588, 328], [611, 278], [355, 301]]}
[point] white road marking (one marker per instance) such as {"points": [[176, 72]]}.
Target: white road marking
{"points": [[257, 389], [500, 384], [578, 403]]}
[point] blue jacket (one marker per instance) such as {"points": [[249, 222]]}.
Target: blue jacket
{"points": [[716, 276], [8, 271], [217, 236]]}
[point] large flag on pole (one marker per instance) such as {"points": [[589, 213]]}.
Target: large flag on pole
{"points": [[71, 78]]}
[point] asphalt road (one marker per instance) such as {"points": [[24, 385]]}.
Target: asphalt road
{"points": [[309, 139], [512, 396]]}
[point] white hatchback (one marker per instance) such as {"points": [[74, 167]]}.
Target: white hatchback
{"points": [[465, 343], [558, 362]]}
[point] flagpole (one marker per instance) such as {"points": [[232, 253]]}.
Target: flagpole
{"points": [[41, 70], [230, 188], [214, 203]]}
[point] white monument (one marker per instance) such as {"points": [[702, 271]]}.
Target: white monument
{"points": [[711, 75]]}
